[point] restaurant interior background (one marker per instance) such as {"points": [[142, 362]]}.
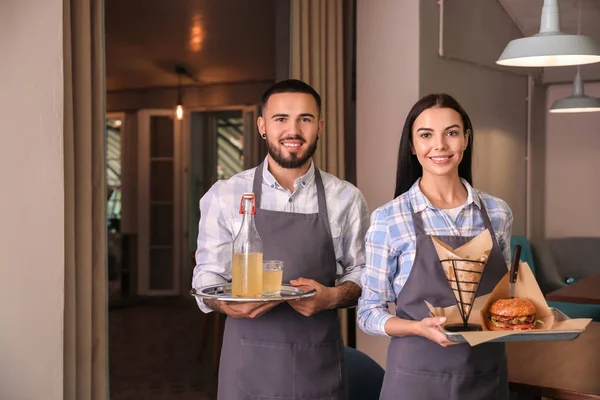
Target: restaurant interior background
{"points": [[215, 58]]}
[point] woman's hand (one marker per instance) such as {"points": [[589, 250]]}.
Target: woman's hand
{"points": [[430, 328]]}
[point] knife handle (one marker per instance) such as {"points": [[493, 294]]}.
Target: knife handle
{"points": [[514, 268]]}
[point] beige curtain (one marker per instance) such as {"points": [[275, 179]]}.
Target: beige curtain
{"points": [[317, 44], [85, 321]]}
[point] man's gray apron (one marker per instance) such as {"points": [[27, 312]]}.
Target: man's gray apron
{"points": [[418, 368], [283, 354]]}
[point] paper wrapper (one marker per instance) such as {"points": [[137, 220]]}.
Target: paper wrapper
{"points": [[465, 274], [525, 287]]}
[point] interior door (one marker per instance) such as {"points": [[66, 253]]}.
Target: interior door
{"points": [[159, 203]]}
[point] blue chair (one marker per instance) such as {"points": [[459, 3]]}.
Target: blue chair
{"points": [[577, 310], [364, 376], [572, 310]]}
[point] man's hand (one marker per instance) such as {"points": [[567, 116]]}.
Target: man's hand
{"points": [[251, 309], [322, 300]]}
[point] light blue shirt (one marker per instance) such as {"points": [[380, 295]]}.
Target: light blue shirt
{"points": [[391, 245]]}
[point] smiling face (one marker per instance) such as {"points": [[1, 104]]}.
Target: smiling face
{"points": [[292, 126], [439, 141]]}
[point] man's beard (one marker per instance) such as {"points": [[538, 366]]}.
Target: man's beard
{"points": [[292, 161]]}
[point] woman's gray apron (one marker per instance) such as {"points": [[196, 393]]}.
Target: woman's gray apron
{"points": [[283, 354], [418, 368]]}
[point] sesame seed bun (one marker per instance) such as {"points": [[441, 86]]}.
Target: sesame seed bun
{"points": [[514, 307]]}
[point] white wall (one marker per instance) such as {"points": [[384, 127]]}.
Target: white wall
{"points": [[496, 101], [589, 72], [387, 83], [537, 184], [32, 204], [572, 153]]}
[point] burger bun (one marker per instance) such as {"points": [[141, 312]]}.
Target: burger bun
{"points": [[512, 307]]}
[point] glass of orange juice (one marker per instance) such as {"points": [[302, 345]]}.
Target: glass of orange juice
{"points": [[272, 277]]}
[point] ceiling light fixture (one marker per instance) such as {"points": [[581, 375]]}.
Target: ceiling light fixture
{"points": [[578, 102], [179, 108], [550, 47]]}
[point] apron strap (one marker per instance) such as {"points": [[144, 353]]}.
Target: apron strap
{"points": [[257, 183], [484, 216], [321, 195], [488, 225], [257, 190], [417, 222]]}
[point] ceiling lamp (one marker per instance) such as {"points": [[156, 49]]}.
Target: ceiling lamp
{"points": [[577, 102], [550, 47], [179, 108]]}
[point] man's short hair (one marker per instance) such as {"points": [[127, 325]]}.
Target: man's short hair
{"points": [[289, 86]]}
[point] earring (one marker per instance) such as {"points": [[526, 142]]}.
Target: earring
{"points": [[264, 135]]}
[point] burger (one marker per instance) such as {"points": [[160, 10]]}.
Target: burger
{"points": [[511, 314]]}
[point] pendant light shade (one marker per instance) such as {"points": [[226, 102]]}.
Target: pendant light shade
{"points": [[578, 102], [550, 47], [179, 108]]}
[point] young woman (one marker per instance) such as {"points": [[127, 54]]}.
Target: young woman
{"points": [[433, 196]]}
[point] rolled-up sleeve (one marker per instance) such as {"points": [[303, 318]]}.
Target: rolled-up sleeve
{"points": [[377, 277], [352, 257], [213, 254]]}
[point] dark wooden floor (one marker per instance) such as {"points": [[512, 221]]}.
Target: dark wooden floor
{"points": [[154, 352]]}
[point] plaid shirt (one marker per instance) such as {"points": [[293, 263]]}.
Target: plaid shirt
{"points": [[391, 245], [220, 221]]}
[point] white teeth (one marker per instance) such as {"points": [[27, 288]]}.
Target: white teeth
{"points": [[439, 158], [291, 144]]}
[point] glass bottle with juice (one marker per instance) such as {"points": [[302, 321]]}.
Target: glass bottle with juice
{"points": [[247, 260]]}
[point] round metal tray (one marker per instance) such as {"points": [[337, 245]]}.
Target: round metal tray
{"points": [[222, 292]]}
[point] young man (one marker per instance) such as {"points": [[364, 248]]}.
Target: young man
{"points": [[316, 224]]}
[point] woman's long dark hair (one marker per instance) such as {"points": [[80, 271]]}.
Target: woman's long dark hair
{"points": [[409, 168]]}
